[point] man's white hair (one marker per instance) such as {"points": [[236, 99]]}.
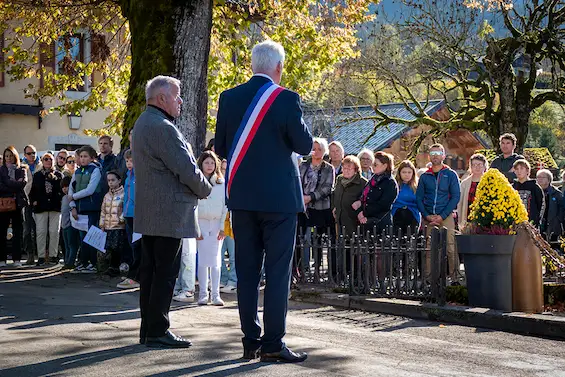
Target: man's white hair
{"points": [[265, 56], [160, 84], [545, 172], [366, 151], [323, 143]]}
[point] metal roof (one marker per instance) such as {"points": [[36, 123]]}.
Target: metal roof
{"points": [[352, 133]]}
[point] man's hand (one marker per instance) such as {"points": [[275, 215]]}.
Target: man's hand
{"points": [[34, 204], [307, 199], [70, 197], [221, 235], [333, 213], [200, 238], [356, 205], [434, 219], [74, 213]]}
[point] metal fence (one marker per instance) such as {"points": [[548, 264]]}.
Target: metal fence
{"points": [[387, 264]]}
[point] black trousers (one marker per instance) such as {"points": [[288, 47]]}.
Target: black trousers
{"points": [[160, 264], [17, 227], [269, 236]]}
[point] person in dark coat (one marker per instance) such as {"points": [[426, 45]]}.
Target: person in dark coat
{"points": [[264, 195], [374, 207], [13, 179], [553, 213], [530, 192], [348, 188], [45, 197]]}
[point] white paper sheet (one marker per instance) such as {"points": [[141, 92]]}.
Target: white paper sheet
{"points": [[81, 223], [96, 238], [135, 237]]}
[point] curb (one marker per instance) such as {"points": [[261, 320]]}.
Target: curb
{"points": [[542, 325]]}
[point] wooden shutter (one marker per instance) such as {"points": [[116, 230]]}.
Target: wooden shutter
{"points": [[47, 54], [1, 60]]}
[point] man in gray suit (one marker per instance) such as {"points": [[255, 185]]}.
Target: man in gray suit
{"points": [[168, 186]]}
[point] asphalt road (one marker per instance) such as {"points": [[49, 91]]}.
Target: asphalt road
{"points": [[54, 324]]}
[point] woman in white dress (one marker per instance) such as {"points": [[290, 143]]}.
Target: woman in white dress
{"points": [[211, 216]]}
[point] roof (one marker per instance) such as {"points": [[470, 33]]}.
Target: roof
{"points": [[352, 133]]}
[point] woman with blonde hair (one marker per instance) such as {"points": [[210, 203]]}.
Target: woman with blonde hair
{"points": [[405, 213], [478, 165]]}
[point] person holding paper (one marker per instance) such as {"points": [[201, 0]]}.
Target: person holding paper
{"points": [[113, 223], [168, 186]]}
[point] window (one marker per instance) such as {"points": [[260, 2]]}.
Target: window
{"points": [[69, 50]]}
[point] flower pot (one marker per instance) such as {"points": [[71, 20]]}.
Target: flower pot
{"points": [[488, 269]]}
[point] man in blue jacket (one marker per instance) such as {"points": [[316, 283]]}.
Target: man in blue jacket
{"points": [[259, 130], [437, 197]]}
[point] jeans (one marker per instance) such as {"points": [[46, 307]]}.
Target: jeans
{"points": [[133, 273], [88, 254], [30, 246], [228, 277], [187, 273], [71, 237]]}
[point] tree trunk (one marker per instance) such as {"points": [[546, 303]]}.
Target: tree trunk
{"points": [[191, 51], [170, 37]]}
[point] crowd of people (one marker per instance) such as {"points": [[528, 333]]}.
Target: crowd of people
{"points": [[347, 194], [342, 194]]}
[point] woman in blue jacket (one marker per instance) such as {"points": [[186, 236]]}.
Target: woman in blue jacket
{"points": [[405, 213]]}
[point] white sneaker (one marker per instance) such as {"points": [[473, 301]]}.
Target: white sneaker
{"points": [[3, 264], [203, 301], [128, 284], [78, 269], [228, 289], [185, 297], [90, 269], [217, 301]]}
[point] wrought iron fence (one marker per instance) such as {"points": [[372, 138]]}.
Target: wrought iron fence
{"points": [[386, 264]]}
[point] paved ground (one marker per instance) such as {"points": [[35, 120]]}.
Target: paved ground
{"points": [[54, 324]]}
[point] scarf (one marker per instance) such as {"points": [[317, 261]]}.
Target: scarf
{"points": [[348, 181], [11, 171], [375, 179], [311, 179], [49, 176]]}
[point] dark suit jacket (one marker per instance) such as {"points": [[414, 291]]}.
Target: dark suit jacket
{"points": [[267, 179]]}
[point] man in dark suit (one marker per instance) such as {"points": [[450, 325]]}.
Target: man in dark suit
{"points": [[260, 130], [168, 186]]}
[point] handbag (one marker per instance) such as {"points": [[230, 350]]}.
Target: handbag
{"points": [[7, 204]]}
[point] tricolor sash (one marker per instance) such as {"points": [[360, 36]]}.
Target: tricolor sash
{"points": [[248, 128]]}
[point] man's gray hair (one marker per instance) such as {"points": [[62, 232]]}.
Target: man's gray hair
{"points": [[159, 84], [265, 56], [323, 143], [545, 172]]}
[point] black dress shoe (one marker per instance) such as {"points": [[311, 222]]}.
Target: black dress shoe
{"points": [[250, 354], [284, 356], [169, 340], [142, 340]]}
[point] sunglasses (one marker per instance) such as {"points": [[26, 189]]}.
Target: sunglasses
{"points": [[70, 161], [436, 153], [47, 159], [30, 153]]}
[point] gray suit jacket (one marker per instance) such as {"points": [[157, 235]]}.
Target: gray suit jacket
{"points": [[168, 181]]}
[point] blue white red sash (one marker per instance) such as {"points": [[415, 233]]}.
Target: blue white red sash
{"points": [[248, 128]]}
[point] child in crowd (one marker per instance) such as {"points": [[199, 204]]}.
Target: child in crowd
{"points": [[530, 192], [228, 280], [85, 193], [112, 222], [211, 217], [71, 236], [132, 254], [184, 287]]}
